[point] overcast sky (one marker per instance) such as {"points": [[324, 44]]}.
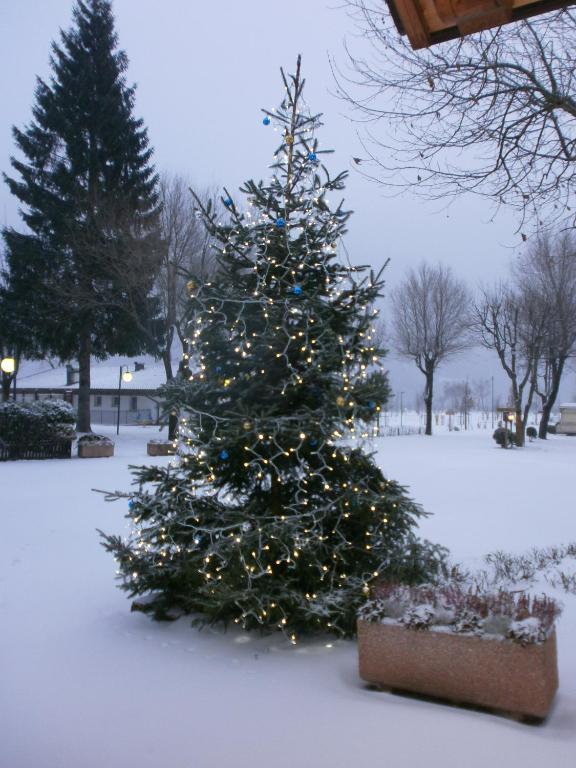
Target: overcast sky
{"points": [[204, 70]]}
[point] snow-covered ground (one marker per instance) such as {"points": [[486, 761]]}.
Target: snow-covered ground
{"points": [[84, 683]]}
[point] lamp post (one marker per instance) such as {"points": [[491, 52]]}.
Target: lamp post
{"points": [[510, 420], [8, 367], [401, 406], [124, 375]]}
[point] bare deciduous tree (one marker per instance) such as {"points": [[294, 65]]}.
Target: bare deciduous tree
{"points": [[187, 255], [430, 319], [513, 328], [493, 113], [481, 389], [546, 274], [458, 396]]}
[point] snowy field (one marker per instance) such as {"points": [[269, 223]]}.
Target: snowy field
{"points": [[84, 683]]}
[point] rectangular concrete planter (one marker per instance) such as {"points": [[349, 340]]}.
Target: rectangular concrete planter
{"points": [[156, 448], [494, 673], [95, 450]]}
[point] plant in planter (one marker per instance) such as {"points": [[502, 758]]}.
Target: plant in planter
{"points": [[93, 446], [495, 650]]}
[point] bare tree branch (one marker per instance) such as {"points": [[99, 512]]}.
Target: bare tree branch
{"points": [[493, 114]]}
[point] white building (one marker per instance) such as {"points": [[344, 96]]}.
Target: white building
{"points": [[138, 398], [567, 423]]}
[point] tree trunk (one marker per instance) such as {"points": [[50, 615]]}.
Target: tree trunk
{"points": [[6, 384], [428, 395], [83, 415], [172, 418], [549, 402], [520, 427]]}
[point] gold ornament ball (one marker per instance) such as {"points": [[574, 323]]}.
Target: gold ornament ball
{"points": [[289, 139], [191, 285], [247, 425], [340, 401]]}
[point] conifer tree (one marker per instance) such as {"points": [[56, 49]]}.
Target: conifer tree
{"points": [[270, 518], [89, 202]]}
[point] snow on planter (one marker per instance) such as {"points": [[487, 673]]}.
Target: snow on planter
{"points": [[491, 650], [93, 446]]}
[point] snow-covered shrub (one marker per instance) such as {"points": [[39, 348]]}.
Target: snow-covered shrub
{"points": [[527, 631], [37, 422], [503, 437], [455, 608], [468, 622], [94, 439], [54, 412], [555, 564], [418, 617]]}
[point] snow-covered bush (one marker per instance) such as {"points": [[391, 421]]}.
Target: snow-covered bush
{"points": [[418, 617], [514, 615], [468, 622], [503, 437], [54, 412], [37, 422], [94, 439], [555, 564], [527, 631]]}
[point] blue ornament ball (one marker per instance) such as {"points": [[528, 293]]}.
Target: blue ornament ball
{"points": [[224, 454], [297, 290], [228, 202], [312, 156], [131, 504], [266, 121], [313, 443], [280, 223], [218, 368], [371, 405]]}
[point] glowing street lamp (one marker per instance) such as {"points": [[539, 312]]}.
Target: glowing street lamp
{"points": [[8, 365], [126, 376]]}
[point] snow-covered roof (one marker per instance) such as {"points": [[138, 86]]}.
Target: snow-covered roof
{"points": [[39, 374], [568, 405]]}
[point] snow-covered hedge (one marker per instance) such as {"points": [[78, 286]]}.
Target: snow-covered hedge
{"points": [[513, 615], [40, 421]]}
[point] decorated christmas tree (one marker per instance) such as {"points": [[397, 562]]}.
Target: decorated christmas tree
{"points": [[270, 516]]}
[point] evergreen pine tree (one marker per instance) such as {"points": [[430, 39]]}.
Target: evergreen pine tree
{"points": [[269, 518], [90, 204]]}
